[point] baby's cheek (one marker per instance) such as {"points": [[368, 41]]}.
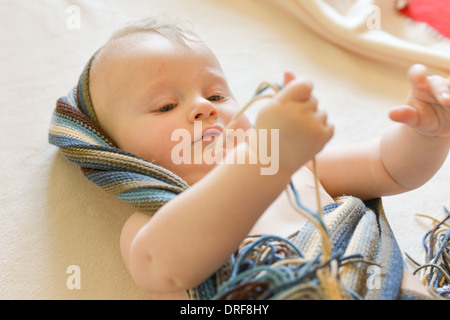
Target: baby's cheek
{"points": [[157, 146]]}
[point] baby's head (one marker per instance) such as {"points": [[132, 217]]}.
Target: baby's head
{"points": [[152, 78]]}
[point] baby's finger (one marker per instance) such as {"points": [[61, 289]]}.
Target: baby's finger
{"points": [[440, 89], [310, 105], [323, 117], [405, 114], [418, 76], [297, 90], [328, 128]]}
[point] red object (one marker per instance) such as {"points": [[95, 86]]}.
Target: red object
{"points": [[435, 13]]}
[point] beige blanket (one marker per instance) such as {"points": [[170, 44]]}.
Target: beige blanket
{"points": [[59, 233], [374, 29]]}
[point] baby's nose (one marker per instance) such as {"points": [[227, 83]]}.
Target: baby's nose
{"points": [[203, 110]]}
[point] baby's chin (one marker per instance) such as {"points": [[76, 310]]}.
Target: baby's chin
{"points": [[191, 170], [195, 173]]}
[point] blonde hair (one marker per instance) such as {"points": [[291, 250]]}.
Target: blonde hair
{"points": [[175, 31]]}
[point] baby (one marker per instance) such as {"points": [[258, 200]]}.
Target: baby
{"points": [[154, 78]]}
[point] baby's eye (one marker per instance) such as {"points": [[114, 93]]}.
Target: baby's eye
{"points": [[167, 108], [215, 98]]}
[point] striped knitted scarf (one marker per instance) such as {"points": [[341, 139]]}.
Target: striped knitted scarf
{"points": [[75, 130], [366, 261]]}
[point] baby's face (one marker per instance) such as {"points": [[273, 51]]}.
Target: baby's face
{"points": [[146, 87]]}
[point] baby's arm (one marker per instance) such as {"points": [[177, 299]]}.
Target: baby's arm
{"points": [[191, 237], [406, 156]]}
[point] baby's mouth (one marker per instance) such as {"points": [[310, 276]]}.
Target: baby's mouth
{"points": [[210, 134]]}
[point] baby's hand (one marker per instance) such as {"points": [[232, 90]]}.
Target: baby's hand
{"points": [[303, 129], [427, 108]]}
